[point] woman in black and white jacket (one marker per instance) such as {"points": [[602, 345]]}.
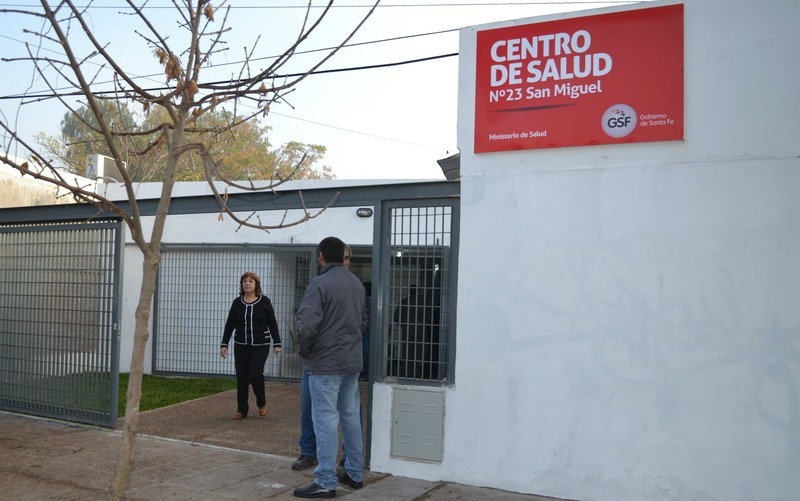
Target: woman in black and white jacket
{"points": [[251, 322]]}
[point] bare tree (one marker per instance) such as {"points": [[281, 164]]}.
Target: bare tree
{"points": [[183, 100]]}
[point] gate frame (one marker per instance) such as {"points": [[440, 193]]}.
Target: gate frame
{"points": [[380, 265], [109, 337]]}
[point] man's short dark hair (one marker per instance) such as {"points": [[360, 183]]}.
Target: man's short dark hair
{"points": [[332, 249]]}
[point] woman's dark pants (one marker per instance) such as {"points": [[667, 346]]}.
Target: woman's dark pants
{"points": [[249, 361]]}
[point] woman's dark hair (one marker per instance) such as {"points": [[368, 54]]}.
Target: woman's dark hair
{"points": [[332, 249], [254, 276]]}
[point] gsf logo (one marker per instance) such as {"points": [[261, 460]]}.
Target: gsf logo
{"points": [[619, 120]]}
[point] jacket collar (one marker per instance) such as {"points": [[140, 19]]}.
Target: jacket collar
{"points": [[329, 266]]}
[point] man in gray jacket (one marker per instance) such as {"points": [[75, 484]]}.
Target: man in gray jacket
{"points": [[329, 325]]}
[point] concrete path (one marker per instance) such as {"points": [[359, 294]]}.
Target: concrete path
{"points": [[190, 451]]}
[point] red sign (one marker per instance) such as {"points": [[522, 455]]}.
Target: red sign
{"points": [[602, 79]]}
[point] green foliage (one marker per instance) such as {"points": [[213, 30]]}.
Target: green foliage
{"points": [[241, 148], [160, 391]]}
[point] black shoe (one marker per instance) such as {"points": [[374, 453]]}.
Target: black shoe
{"points": [[345, 479], [314, 490], [304, 462]]}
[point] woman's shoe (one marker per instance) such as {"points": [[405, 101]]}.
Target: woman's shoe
{"points": [[239, 415], [262, 411]]}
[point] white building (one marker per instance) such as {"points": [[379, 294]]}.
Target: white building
{"points": [[628, 326], [210, 229]]}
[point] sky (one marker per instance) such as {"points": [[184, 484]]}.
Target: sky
{"points": [[391, 121]]}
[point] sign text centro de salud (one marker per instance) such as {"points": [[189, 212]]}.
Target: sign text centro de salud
{"points": [[602, 79]]}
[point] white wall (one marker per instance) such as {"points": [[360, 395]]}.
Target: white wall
{"points": [[26, 191], [628, 319]]}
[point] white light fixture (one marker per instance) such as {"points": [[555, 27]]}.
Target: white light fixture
{"points": [[364, 212]]}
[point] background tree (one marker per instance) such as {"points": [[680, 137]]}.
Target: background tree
{"points": [[78, 137], [247, 150], [180, 134]]}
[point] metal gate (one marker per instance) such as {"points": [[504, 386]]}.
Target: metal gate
{"points": [[59, 317], [416, 291], [196, 285]]}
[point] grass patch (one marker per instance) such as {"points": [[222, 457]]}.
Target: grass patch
{"points": [[160, 391]]}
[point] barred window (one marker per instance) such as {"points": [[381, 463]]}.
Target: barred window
{"points": [[418, 287]]}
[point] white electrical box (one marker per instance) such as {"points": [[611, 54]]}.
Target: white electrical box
{"points": [[103, 169], [418, 424]]}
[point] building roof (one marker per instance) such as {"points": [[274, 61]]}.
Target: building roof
{"points": [[451, 167]]}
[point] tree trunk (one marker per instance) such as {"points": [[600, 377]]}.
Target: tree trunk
{"points": [[119, 484]]}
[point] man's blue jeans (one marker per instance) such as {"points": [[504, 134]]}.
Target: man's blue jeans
{"points": [[308, 441], [335, 400]]}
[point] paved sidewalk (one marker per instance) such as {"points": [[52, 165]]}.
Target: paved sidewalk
{"points": [[216, 459]]}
